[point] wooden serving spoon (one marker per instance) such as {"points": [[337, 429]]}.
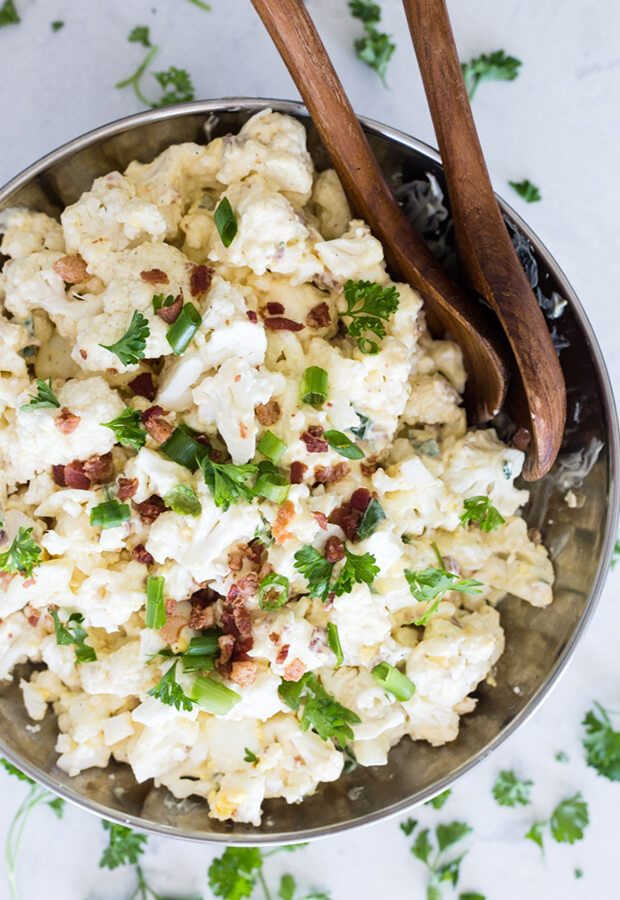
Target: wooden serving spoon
{"points": [[485, 250], [448, 308]]}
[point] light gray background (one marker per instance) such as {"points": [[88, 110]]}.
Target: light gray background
{"points": [[558, 124]]}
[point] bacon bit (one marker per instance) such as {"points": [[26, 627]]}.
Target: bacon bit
{"points": [[334, 550], [247, 586], [235, 560], [112, 371], [200, 618], [151, 508], [29, 582], [170, 605], [243, 431], [243, 673], [205, 596], [66, 421], [283, 653], [83, 354], [253, 552], [142, 386], [369, 466], [33, 615], [34, 620], [521, 439], [154, 276], [297, 472], [76, 477], [313, 441], [274, 308], [274, 637], [171, 313], [321, 519], [360, 499], [58, 474], [200, 280], [172, 629], [279, 323], [243, 621], [346, 518], [127, 488], [155, 425], [142, 555], [233, 593], [319, 316], [237, 379], [331, 474], [268, 413], [72, 269], [241, 650], [99, 468], [294, 671], [285, 514], [251, 316], [226, 643]]}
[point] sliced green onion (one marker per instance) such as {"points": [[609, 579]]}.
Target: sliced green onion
{"points": [[225, 221], [314, 386], [203, 663], [183, 329], [213, 697], [155, 608], [206, 644], [271, 446], [333, 639], [181, 448], [109, 514], [272, 486], [372, 515], [389, 678], [276, 586], [343, 445]]}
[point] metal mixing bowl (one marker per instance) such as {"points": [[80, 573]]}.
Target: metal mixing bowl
{"points": [[539, 642]]}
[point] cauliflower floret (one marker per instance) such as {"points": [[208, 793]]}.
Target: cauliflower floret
{"points": [[357, 254], [330, 205], [109, 596], [26, 232]]}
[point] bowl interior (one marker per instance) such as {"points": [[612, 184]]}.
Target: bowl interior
{"points": [[538, 642]]}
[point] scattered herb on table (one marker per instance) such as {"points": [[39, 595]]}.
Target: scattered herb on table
{"points": [[57, 25], [239, 870], [615, 556], [375, 48], [602, 743], [201, 5], [561, 757], [434, 853], [567, 822], [177, 86], [140, 35], [409, 826], [528, 191], [8, 14], [496, 66], [480, 511], [130, 347], [128, 430], [369, 306], [22, 557], [440, 800], [430, 586], [44, 397], [509, 790]]}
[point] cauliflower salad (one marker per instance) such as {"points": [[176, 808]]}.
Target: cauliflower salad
{"points": [[246, 534]]}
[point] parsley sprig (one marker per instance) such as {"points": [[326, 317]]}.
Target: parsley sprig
{"points": [[567, 822], [439, 801], [176, 83], [430, 585], [602, 743], [8, 14], [44, 397], [441, 868], [72, 634], [23, 554], [509, 790], [318, 571], [130, 348], [239, 870], [497, 66], [376, 47], [228, 483], [481, 512], [128, 430], [320, 711], [369, 306], [169, 691], [140, 35]]}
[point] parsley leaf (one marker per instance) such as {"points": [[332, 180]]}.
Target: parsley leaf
{"points": [[375, 49], [360, 569], [471, 895], [536, 834], [371, 518], [127, 428], [57, 25], [568, 819], [249, 756], [124, 846], [13, 770], [602, 743], [527, 190], [408, 826], [320, 711], [72, 634], [228, 483], [440, 800], [447, 835], [130, 348], [508, 790], [8, 14], [480, 510], [369, 305], [233, 875], [430, 586], [177, 86], [366, 11], [495, 66], [23, 554], [140, 35], [182, 499], [287, 887], [170, 692], [44, 397], [318, 571], [450, 871], [422, 848]]}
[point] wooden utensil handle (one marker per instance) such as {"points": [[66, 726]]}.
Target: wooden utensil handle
{"points": [[448, 307]]}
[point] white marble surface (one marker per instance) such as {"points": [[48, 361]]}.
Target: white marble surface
{"points": [[559, 125]]}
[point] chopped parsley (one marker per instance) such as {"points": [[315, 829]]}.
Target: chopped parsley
{"points": [[318, 571], [434, 857], [124, 846], [169, 691], [372, 516], [44, 397], [365, 11], [602, 743], [56, 26], [321, 711], [481, 511], [369, 306], [177, 86], [561, 757], [181, 499], [234, 874], [430, 586], [8, 14], [375, 48], [525, 189], [23, 554], [249, 756], [497, 66], [567, 822], [409, 826], [130, 348], [128, 430], [72, 634], [509, 790], [228, 483], [440, 800], [364, 428], [140, 35]]}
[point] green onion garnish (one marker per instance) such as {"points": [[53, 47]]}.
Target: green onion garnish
{"points": [[109, 514], [314, 386], [276, 586], [225, 221], [184, 328], [181, 448], [343, 445], [272, 486], [389, 678], [206, 643], [372, 515], [333, 639], [271, 447], [155, 608], [203, 663], [213, 697]]}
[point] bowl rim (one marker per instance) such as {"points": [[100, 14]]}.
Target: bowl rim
{"points": [[295, 108]]}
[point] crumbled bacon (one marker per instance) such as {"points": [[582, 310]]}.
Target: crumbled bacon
{"points": [[127, 488], [33, 615], [172, 629], [83, 354], [274, 637], [313, 440], [360, 499], [346, 518], [253, 552], [369, 466], [154, 276], [279, 323], [142, 385], [267, 413], [151, 508], [170, 605], [202, 617], [285, 514], [274, 308], [334, 550], [205, 596], [170, 314], [226, 643], [200, 280], [75, 476], [317, 638], [243, 621], [319, 316], [250, 313], [142, 555], [72, 269], [156, 426], [282, 653], [294, 671], [235, 560], [247, 586], [242, 648], [99, 468], [66, 421], [331, 474], [321, 519], [58, 474], [243, 672], [297, 472]]}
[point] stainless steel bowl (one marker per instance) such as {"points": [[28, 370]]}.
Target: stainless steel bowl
{"points": [[539, 643]]}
